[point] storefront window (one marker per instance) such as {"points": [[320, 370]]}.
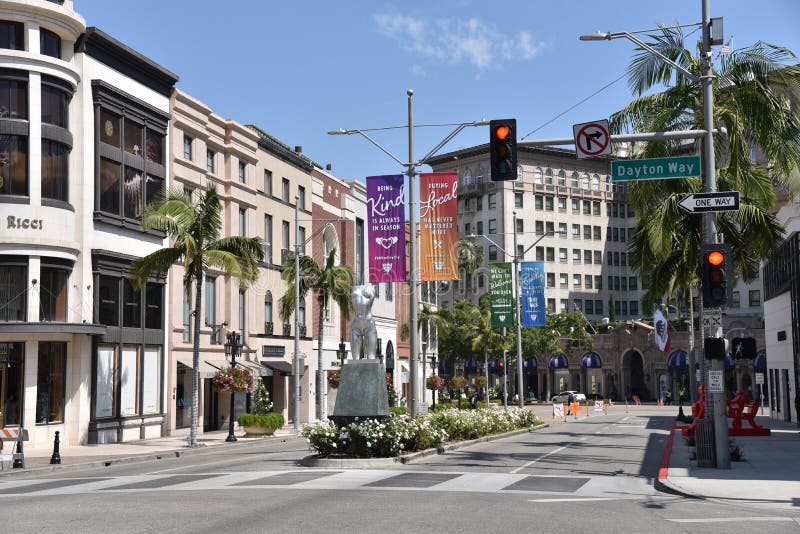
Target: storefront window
{"points": [[104, 392], [53, 294], [13, 289], [14, 168], [128, 381], [12, 373], [151, 380], [51, 386], [108, 306], [183, 397]]}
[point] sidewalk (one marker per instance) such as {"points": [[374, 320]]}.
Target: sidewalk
{"points": [[149, 449], [768, 477]]}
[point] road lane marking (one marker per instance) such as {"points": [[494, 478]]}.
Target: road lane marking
{"points": [[524, 466], [729, 519], [573, 499]]}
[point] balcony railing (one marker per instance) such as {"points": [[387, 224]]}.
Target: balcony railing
{"points": [[269, 327], [287, 329]]}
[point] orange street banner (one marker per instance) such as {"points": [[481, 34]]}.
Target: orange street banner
{"points": [[438, 210]]}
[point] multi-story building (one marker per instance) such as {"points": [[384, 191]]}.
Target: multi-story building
{"points": [[782, 318], [83, 148]]}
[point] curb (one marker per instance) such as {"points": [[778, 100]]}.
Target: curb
{"points": [[141, 458], [661, 482], [367, 463]]}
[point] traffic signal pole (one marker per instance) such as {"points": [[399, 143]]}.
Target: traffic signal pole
{"points": [[717, 399]]}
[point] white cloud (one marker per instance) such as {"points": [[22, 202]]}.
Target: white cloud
{"points": [[458, 40]]}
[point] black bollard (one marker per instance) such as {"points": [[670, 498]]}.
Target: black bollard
{"points": [[19, 462], [56, 458]]}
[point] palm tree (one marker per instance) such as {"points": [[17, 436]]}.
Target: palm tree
{"points": [[331, 282], [194, 230], [756, 95], [470, 257], [486, 338]]}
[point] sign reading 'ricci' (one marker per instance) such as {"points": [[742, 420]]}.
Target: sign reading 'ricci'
{"points": [[24, 224]]}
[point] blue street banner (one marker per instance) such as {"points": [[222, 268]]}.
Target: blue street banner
{"points": [[532, 289]]}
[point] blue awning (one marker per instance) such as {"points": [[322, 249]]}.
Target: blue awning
{"points": [[494, 363], [677, 360], [470, 364], [530, 363], [760, 361], [558, 361], [591, 360]]}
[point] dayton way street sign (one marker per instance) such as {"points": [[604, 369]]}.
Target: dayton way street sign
{"points": [[703, 202], [655, 168]]}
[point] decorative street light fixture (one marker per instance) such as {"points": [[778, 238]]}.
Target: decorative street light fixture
{"points": [[232, 346], [341, 353]]}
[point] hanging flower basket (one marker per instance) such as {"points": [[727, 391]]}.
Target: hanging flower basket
{"points": [[234, 379], [434, 382], [480, 381], [458, 382]]}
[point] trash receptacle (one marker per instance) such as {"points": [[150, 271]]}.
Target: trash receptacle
{"points": [[704, 439]]}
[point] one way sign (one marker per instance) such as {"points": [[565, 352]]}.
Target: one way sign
{"points": [[705, 202]]}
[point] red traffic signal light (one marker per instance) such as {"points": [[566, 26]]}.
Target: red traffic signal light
{"points": [[503, 149], [715, 274]]}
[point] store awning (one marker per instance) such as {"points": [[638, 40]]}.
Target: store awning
{"points": [[760, 361], [530, 363], [254, 367], [208, 368], [558, 361], [282, 366], [591, 360], [677, 360]]}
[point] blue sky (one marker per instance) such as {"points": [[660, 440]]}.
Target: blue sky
{"points": [[299, 69]]}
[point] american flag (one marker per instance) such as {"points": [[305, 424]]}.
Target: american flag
{"points": [[726, 48]]}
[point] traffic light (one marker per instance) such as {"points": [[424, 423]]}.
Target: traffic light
{"points": [[715, 348], [715, 274], [503, 149], [744, 348]]}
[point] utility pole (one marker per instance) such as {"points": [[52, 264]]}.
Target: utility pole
{"points": [[518, 310]]}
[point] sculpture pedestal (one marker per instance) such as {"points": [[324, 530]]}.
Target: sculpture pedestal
{"points": [[362, 392]]}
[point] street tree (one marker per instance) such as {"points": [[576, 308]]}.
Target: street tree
{"points": [[194, 232], [330, 282], [470, 257]]}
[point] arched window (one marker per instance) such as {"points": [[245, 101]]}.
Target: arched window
{"points": [[585, 181], [268, 307], [596, 182], [574, 180], [466, 177], [608, 183], [548, 177], [562, 179], [537, 176], [479, 175]]}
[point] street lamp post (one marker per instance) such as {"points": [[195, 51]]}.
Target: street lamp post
{"points": [[232, 346], [717, 403], [424, 345], [434, 372], [518, 304]]}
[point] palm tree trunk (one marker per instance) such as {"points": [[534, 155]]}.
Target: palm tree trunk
{"points": [[321, 382], [196, 362]]}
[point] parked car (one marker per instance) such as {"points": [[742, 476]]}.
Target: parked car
{"points": [[564, 396]]}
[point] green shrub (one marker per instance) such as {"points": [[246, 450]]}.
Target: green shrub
{"points": [[402, 434], [398, 410], [270, 420]]}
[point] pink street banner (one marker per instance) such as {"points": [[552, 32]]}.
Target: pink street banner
{"points": [[386, 223], [438, 210]]}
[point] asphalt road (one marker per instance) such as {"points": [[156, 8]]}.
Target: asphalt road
{"points": [[591, 475]]}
